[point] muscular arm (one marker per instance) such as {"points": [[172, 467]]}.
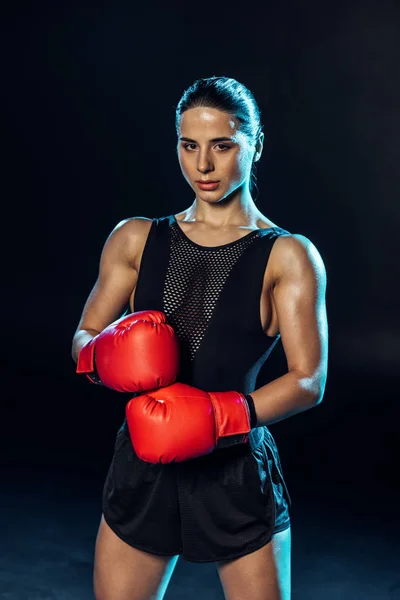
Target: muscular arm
{"points": [[299, 297], [116, 280]]}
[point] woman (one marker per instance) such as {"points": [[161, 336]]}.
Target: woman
{"points": [[230, 283]]}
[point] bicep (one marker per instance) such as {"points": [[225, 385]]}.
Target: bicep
{"points": [[299, 297], [115, 282]]}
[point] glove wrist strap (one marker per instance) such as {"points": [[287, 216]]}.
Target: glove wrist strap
{"points": [[252, 409], [87, 363], [232, 418]]}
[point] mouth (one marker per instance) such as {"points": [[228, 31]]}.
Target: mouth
{"points": [[207, 185]]}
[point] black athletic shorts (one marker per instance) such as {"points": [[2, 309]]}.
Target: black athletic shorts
{"points": [[217, 507]]}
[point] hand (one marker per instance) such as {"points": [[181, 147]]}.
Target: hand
{"points": [[136, 353], [181, 422]]}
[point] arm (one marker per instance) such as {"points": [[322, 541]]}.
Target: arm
{"points": [[116, 280], [299, 297]]}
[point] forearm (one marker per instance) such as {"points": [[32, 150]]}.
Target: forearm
{"points": [[81, 337], [285, 396]]}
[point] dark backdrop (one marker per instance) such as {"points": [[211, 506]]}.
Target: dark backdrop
{"points": [[88, 97]]}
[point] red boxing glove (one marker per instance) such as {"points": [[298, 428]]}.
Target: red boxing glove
{"points": [[136, 353], [181, 422]]}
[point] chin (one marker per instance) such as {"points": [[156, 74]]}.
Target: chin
{"points": [[211, 198]]}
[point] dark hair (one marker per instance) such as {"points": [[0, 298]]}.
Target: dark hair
{"points": [[230, 96]]}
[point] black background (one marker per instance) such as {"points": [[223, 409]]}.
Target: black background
{"points": [[88, 99]]}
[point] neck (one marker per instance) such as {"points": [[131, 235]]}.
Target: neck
{"points": [[237, 211]]}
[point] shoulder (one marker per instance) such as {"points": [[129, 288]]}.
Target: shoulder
{"points": [[128, 237], [132, 226], [295, 256], [130, 231]]}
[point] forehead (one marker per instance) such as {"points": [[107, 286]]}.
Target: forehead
{"points": [[207, 122]]}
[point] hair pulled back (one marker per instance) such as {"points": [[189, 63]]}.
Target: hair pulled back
{"points": [[227, 95]]}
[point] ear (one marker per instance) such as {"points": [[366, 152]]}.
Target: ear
{"points": [[259, 147]]}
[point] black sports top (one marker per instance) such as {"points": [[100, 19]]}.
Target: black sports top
{"points": [[211, 296]]}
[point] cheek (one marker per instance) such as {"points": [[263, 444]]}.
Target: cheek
{"points": [[245, 158], [240, 164], [184, 161]]}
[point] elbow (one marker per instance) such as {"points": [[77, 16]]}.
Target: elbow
{"points": [[318, 399], [319, 391], [313, 389]]}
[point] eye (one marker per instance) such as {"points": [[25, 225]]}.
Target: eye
{"points": [[189, 147], [222, 147]]}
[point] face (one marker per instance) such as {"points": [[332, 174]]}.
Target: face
{"points": [[211, 148]]}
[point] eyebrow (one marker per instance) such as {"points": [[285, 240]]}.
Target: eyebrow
{"points": [[214, 140]]}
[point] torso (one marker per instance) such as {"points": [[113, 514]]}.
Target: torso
{"points": [[268, 313]]}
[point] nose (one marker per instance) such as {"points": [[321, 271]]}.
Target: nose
{"points": [[204, 161]]}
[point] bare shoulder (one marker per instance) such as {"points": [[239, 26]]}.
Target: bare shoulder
{"points": [[131, 231], [128, 238], [132, 227], [295, 256]]}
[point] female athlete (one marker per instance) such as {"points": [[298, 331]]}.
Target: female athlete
{"points": [[210, 290]]}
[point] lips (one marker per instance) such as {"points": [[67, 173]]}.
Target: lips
{"points": [[207, 185]]}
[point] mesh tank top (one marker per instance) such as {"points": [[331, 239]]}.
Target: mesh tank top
{"points": [[211, 296]]}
